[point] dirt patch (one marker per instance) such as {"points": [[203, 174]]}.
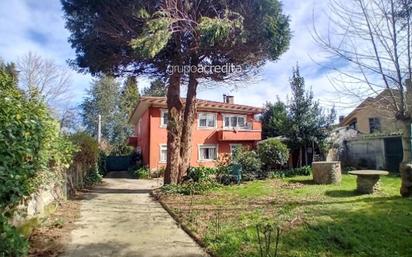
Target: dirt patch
{"points": [[49, 239]]}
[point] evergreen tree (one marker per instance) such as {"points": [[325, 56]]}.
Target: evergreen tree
{"points": [[130, 96], [157, 88], [148, 37], [103, 99], [274, 119], [308, 122]]}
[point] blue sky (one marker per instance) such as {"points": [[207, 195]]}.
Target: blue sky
{"points": [[38, 26]]}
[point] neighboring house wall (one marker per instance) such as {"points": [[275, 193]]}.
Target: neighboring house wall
{"points": [[379, 107], [387, 121], [366, 153], [382, 152]]}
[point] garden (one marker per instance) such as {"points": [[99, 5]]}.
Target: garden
{"points": [[294, 217], [278, 212]]}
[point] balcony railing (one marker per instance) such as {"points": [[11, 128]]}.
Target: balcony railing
{"points": [[239, 135]]}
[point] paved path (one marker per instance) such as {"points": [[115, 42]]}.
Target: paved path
{"points": [[119, 218]]}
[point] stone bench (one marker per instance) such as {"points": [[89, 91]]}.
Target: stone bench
{"points": [[368, 180]]}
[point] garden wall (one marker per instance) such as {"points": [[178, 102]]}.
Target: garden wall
{"points": [[39, 203], [365, 153]]}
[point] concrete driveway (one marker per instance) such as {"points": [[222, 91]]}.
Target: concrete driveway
{"points": [[119, 218]]}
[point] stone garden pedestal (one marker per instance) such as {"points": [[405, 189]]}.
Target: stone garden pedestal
{"points": [[326, 172]]}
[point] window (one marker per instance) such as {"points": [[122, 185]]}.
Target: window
{"points": [[233, 147], [374, 125], [163, 153], [164, 118], [207, 152], [207, 120], [353, 124], [234, 121]]}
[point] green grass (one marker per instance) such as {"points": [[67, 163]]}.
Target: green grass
{"points": [[315, 220]]}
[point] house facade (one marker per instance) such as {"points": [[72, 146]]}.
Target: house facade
{"points": [[378, 143], [219, 127], [375, 115]]}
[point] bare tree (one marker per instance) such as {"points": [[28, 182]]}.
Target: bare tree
{"points": [[40, 77], [373, 38]]}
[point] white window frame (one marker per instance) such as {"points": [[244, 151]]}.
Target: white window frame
{"points": [[206, 113], [230, 117], [207, 146], [162, 121], [232, 147], [162, 148]]}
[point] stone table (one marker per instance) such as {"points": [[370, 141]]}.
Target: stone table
{"points": [[368, 180]]}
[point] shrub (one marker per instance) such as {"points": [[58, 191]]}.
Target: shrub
{"points": [[32, 154], [223, 164], [11, 242], [250, 163], [88, 149], [139, 172], [121, 150], [303, 171], [191, 188], [200, 173], [158, 173], [273, 154], [102, 163], [93, 176]]}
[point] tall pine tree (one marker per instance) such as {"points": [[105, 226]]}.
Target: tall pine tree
{"points": [[308, 123]]}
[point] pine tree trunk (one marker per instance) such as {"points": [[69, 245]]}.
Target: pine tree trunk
{"points": [[174, 129], [300, 157], [188, 121], [406, 165]]}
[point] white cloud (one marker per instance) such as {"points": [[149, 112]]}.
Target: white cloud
{"points": [[38, 26]]}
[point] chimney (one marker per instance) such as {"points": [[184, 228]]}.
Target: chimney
{"points": [[229, 99], [341, 118]]}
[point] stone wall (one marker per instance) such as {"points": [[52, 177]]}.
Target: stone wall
{"points": [[36, 206]]}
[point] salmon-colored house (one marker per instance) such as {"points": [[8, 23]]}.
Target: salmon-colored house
{"points": [[219, 128]]}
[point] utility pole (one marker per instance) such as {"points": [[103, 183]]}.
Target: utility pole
{"points": [[99, 129]]}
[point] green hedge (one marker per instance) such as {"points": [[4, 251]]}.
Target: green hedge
{"points": [[32, 153]]}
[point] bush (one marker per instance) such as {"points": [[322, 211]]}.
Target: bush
{"points": [[88, 149], [250, 163], [200, 173], [102, 163], [303, 171], [12, 243], [32, 154], [93, 176], [273, 154], [223, 164], [121, 150], [139, 172], [158, 173], [191, 188]]}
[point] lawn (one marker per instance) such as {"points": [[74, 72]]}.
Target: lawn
{"points": [[314, 220]]}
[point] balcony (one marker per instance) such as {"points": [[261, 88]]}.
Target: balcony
{"points": [[239, 135]]}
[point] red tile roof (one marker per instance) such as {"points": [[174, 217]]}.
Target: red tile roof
{"points": [[202, 105]]}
